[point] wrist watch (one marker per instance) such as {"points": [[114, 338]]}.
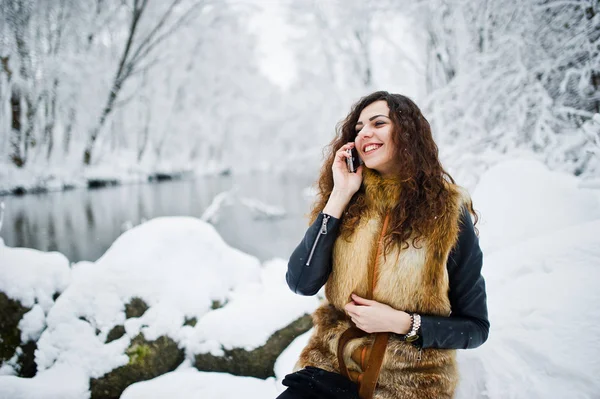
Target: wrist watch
{"points": [[415, 324]]}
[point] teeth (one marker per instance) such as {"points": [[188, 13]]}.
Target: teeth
{"points": [[372, 147]]}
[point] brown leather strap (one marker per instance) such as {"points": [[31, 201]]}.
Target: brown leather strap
{"points": [[371, 374], [349, 334], [367, 380]]}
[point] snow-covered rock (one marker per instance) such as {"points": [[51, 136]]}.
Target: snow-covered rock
{"points": [[29, 281], [254, 312], [174, 270], [31, 276]]}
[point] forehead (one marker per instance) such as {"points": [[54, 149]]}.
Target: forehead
{"points": [[375, 108]]}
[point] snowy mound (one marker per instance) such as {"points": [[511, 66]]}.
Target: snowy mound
{"points": [[193, 384], [177, 266], [29, 281], [181, 269], [61, 382], [542, 299], [31, 276], [520, 199], [254, 312]]}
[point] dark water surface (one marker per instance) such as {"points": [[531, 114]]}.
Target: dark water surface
{"points": [[83, 223]]}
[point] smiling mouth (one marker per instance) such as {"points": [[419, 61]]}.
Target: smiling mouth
{"points": [[372, 148]]}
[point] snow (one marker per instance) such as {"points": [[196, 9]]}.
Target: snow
{"points": [[32, 324], [31, 276], [191, 383], [37, 176], [287, 360], [61, 382], [542, 299], [244, 323], [519, 199], [178, 266], [539, 233]]}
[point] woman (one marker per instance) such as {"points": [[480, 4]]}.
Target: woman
{"points": [[396, 249]]}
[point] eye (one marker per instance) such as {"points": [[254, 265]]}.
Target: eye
{"points": [[379, 123]]}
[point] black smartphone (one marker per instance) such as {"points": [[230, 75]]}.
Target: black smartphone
{"points": [[353, 161]]}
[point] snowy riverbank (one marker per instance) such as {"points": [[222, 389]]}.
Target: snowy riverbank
{"points": [[174, 281], [38, 179]]}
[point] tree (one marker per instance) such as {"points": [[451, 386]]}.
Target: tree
{"points": [[137, 51]]}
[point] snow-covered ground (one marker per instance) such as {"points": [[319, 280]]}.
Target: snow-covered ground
{"points": [[540, 233]]}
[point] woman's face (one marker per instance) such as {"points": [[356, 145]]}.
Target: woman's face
{"points": [[373, 140]]}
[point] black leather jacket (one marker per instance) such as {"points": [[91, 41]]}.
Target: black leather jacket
{"points": [[466, 327]]}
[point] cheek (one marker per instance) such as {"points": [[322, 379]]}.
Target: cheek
{"points": [[389, 153]]}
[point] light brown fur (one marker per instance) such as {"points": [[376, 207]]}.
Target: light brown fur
{"points": [[412, 280]]}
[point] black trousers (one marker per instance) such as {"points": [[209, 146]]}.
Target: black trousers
{"points": [[291, 393]]}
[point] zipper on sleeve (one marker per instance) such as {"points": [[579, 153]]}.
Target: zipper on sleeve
{"points": [[322, 231]]}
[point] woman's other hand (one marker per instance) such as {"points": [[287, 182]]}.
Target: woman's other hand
{"points": [[372, 316]]}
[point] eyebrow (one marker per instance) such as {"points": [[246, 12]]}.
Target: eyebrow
{"points": [[371, 118]]}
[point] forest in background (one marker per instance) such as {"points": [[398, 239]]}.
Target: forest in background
{"points": [[140, 86]]}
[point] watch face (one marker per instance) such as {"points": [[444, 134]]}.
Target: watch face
{"points": [[412, 338]]}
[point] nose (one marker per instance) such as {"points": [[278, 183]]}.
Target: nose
{"points": [[364, 132]]}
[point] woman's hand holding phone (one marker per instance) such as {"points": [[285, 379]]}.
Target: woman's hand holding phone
{"points": [[345, 183]]}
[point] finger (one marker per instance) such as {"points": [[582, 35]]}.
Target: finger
{"points": [[344, 147], [341, 155], [362, 301], [350, 307]]}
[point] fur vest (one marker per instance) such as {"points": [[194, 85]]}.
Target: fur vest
{"points": [[411, 279]]}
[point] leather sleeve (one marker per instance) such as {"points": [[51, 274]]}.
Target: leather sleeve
{"points": [[468, 325], [310, 263]]}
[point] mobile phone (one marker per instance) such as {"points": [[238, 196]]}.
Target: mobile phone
{"points": [[353, 161]]}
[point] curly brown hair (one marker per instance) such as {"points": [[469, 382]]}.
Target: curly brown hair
{"points": [[424, 181]]}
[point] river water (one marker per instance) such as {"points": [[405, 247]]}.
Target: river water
{"points": [[83, 223]]}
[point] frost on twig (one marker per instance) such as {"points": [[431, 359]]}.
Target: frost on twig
{"points": [[212, 213], [262, 210], [1, 214], [591, 128], [259, 209]]}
